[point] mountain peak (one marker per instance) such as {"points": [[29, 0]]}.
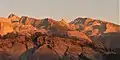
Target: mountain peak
{"points": [[79, 20], [11, 15], [63, 21]]}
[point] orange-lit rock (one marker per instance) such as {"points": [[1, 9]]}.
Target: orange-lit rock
{"points": [[61, 25], [79, 35], [112, 28], [13, 18], [5, 26], [87, 20], [26, 28], [2, 19], [25, 20]]}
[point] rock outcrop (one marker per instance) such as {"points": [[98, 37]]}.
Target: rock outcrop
{"points": [[5, 26], [13, 18]]}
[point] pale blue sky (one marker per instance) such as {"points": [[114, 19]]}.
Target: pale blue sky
{"points": [[70, 9]]}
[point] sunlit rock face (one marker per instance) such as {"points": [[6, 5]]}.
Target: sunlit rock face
{"points": [[26, 28], [78, 35], [112, 28], [94, 27], [24, 20], [13, 18], [5, 26]]}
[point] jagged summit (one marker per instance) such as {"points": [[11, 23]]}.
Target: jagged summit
{"points": [[94, 27], [11, 15], [63, 22], [88, 26], [78, 20]]}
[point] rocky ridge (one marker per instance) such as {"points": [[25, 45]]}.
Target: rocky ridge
{"points": [[48, 39]]}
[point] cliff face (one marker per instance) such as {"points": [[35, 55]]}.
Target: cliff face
{"points": [[5, 26]]}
